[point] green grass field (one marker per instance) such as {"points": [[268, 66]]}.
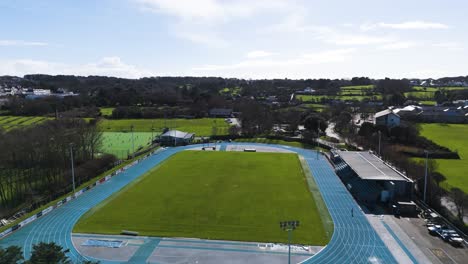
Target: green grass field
{"points": [[120, 143], [317, 98], [433, 89], [214, 195], [13, 122], [358, 87], [453, 136], [201, 126], [106, 111]]}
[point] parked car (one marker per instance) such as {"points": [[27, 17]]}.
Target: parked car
{"points": [[456, 241], [447, 233], [434, 229]]}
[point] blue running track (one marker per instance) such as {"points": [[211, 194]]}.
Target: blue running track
{"points": [[353, 241]]}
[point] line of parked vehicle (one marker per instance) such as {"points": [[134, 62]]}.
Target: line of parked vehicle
{"points": [[437, 227]]}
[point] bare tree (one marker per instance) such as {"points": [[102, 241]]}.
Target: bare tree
{"points": [[460, 199]]}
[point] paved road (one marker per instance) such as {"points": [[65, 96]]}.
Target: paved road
{"points": [[353, 240]]}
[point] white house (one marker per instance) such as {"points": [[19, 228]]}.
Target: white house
{"points": [[387, 118]]}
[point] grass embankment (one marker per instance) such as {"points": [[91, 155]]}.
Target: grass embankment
{"points": [[214, 195], [455, 137]]}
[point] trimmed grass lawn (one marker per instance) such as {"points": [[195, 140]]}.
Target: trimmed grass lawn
{"points": [[201, 126], [455, 137], [214, 195], [120, 143]]}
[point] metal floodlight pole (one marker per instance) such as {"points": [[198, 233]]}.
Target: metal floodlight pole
{"points": [[133, 142], [72, 167], [289, 245], [379, 143], [318, 136], [289, 226], [425, 175]]}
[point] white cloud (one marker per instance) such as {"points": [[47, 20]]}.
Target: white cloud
{"points": [[211, 10], [296, 24], [354, 39], [258, 54], [107, 66], [405, 25], [204, 37], [398, 45], [201, 21], [449, 45], [265, 65], [9, 42]]}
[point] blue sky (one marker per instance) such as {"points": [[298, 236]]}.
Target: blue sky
{"points": [[244, 38]]}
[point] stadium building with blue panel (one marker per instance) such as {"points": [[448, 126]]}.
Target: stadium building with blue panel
{"points": [[371, 180]]}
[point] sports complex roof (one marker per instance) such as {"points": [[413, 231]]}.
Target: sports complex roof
{"points": [[369, 167], [177, 134]]}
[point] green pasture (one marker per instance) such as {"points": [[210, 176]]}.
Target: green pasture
{"points": [[106, 111], [13, 122], [214, 195], [421, 95], [430, 103], [433, 89], [455, 137], [318, 98], [358, 87], [200, 126]]}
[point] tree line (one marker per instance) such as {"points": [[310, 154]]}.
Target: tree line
{"points": [[35, 162], [42, 253]]}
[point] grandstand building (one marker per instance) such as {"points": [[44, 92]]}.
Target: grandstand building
{"points": [[370, 179], [176, 138]]}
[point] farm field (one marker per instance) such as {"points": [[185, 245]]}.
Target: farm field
{"points": [[429, 103], [214, 195], [362, 90], [433, 89], [453, 136], [13, 122], [318, 98], [201, 127], [315, 107], [106, 111], [120, 143]]}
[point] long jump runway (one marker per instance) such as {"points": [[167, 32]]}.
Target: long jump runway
{"points": [[353, 241]]}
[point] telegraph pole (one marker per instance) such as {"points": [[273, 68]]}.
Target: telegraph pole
{"points": [[425, 175]]}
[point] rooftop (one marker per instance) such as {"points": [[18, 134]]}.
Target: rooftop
{"points": [[177, 134], [369, 167], [384, 113]]}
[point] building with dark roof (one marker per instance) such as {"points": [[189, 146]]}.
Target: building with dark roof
{"points": [[370, 179], [220, 112]]}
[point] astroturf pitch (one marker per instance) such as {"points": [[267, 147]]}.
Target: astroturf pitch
{"points": [[214, 195]]}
